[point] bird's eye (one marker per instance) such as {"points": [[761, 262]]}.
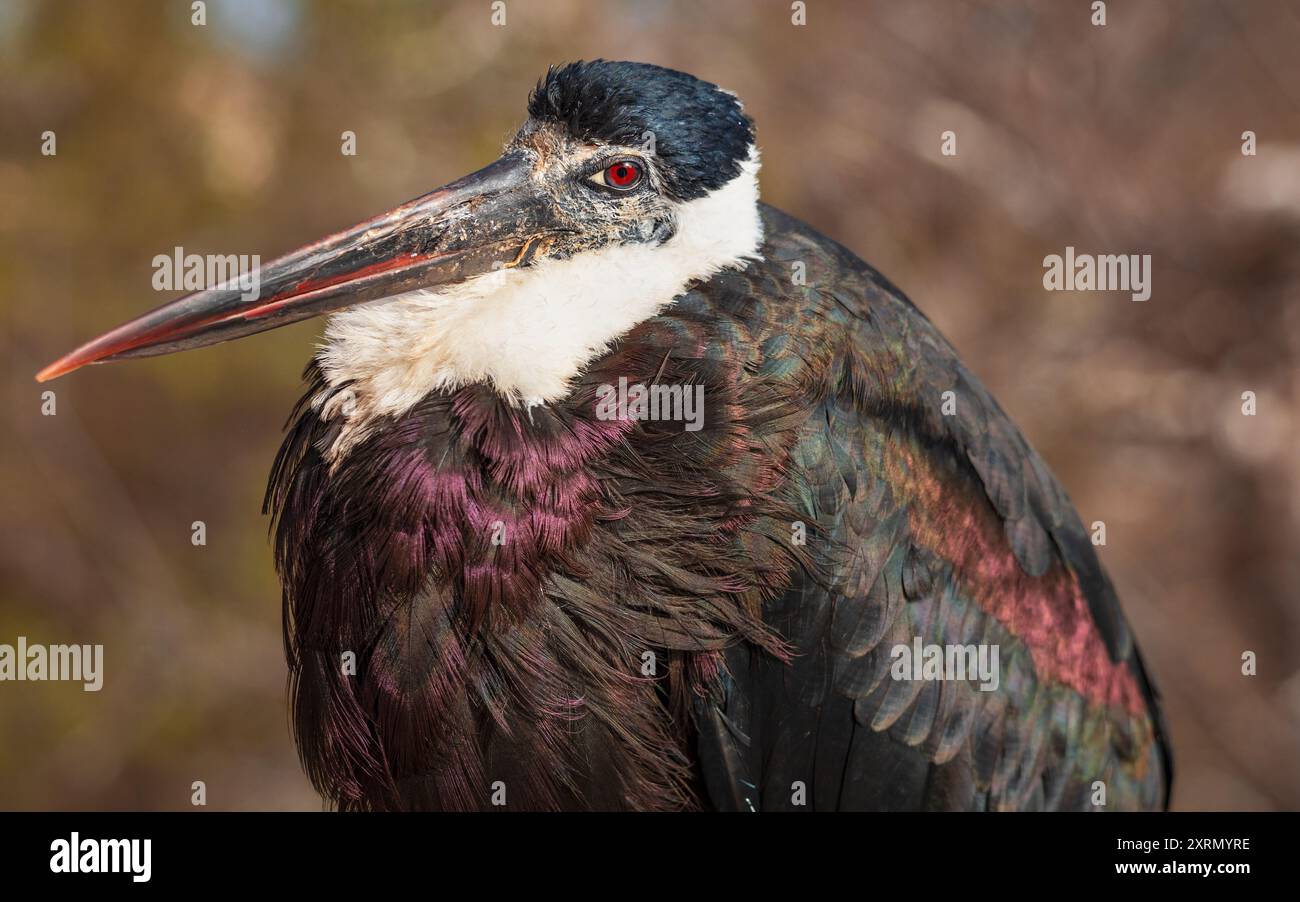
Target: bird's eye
{"points": [[623, 175]]}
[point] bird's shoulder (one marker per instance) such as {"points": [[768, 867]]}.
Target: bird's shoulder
{"points": [[930, 517]]}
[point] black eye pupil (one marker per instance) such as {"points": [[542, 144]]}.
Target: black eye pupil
{"points": [[623, 175]]}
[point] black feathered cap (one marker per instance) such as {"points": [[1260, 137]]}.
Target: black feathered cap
{"points": [[701, 134]]}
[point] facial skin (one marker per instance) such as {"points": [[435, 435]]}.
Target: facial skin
{"points": [[590, 211]]}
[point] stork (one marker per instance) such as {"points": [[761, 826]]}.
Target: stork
{"points": [[547, 605]]}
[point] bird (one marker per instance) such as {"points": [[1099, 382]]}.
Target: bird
{"points": [[616, 488]]}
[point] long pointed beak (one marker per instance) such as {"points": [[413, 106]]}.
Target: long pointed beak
{"points": [[484, 221]]}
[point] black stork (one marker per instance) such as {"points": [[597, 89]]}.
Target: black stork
{"points": [[504, 588]]}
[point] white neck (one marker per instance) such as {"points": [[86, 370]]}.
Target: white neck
{"points": [[528, 332]]}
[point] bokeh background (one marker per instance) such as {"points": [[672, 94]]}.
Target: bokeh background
{"points": [[225, 138]]}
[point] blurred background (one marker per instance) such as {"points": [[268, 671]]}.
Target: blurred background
{"points": [[225, 138]]}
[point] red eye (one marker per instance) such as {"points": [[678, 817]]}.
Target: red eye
{"points": [[622, 175]]}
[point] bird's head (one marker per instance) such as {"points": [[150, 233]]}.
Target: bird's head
{"points": [[626, 182]]}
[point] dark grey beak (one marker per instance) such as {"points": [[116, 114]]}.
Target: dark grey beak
{"points": [[487, 220]]}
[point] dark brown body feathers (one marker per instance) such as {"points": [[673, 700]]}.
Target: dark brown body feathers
{"points": [[518, 669]]}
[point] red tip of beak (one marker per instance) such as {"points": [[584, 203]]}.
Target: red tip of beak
{"points": [[103, 347], [58, 368]]}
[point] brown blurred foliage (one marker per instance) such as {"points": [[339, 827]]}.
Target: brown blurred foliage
{"points": [[226, 139]]}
